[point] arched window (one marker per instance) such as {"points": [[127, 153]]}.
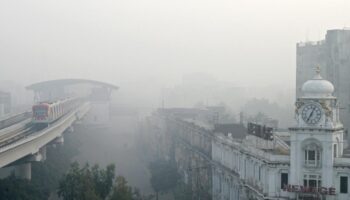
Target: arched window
{"points": [[312, 153]]}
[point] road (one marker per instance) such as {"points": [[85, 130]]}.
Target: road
{"points": [[116, 145]]}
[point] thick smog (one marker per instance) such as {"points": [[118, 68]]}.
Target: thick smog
{"points": [[174, 100]]}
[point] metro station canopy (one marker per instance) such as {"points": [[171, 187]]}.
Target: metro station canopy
{"points": [[57, 89], [59, 83]]}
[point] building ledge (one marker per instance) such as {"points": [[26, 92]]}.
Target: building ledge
{"points": [[272, 156], [342, 162], [316, 129]]}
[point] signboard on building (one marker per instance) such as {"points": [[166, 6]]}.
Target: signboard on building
{"points": [[309, 190], [261, 131]]}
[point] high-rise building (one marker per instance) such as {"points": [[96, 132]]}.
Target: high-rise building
{"points": [[332, 55]]}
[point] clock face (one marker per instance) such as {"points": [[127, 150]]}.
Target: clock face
{"points": [[311, 114]]}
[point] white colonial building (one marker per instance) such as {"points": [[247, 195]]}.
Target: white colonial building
{"points": [[315, 165]]}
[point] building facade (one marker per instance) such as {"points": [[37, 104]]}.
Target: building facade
{"points": [[315, 165], [319, 167], [231, 162], [333, 56], [177, 135], [248, 168]]}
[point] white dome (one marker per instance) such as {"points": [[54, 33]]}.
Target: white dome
{"points": [[317, 87]]}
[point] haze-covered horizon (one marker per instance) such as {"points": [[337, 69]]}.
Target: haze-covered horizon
{"points": [[174, 99], [247, 43]]}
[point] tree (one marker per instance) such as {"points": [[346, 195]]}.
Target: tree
{"points": [[86, 183], [183, 192], [103, 179], [164, 176], [121, 191], [45, 175], [12, 188]]}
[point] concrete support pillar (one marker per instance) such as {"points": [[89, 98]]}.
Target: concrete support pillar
{"points": [[59, 140], [24, 171], [71, 129], [42, 151], [36, 157]]}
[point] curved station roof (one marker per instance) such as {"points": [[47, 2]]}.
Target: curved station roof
{"points": [[67, 82]]}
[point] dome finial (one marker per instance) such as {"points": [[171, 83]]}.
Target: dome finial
{"points": [[318, 72], [318, 69]]}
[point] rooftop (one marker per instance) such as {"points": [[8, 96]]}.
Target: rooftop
{"points": [[47, 85], [235, 130]]}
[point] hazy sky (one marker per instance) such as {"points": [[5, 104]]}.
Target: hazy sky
{"points": [[119, 41]]}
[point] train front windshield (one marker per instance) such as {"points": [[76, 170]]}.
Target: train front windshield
{"points": [[40, 111]]}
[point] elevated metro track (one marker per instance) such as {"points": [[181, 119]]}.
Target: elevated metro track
{"points": [[23, 139], [12, 119]]}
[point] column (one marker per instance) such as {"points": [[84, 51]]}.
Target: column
{"points": [[24, 171]]}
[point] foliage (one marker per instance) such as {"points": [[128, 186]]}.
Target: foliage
{"points": [[103, 179], [183, 192], [45, 174], [121, 191], [164, 176], [12, 188], [73, 182], [86, 183]]}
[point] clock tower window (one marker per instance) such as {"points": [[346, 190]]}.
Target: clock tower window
{"points": [[312, 153], [312, 157]]}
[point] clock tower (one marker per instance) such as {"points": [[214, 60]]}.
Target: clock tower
{"points": [[317, 137]]}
